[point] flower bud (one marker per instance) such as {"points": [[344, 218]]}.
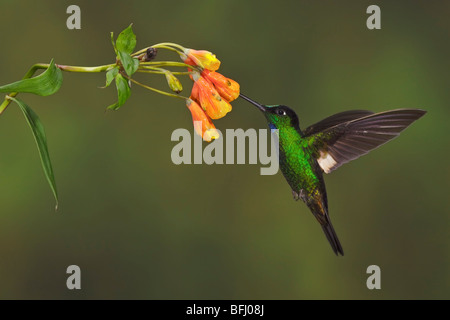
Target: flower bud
{"points": [[174, 83]]}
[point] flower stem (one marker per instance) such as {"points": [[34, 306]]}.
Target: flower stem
{"points": [[86, 69], [166, 47], [166, 63], [170, 64], [171, 44], [163, 45], [161, 71], [38, 66], [156, 90]]}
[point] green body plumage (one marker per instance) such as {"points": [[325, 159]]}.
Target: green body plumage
{"points": [[305, 155], [296, 160]]}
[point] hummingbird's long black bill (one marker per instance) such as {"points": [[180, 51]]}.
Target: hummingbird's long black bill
{"points": [[253, 102]]}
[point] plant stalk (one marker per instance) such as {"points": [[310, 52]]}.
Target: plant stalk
{"points": [[39, 66]]}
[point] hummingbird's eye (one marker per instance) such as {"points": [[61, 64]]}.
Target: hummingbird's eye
{"points": [[281, 112]]}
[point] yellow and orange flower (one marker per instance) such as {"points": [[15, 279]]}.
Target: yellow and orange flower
{"points": [[202, 58], [207, 96], [202, 123], [227, 88]]}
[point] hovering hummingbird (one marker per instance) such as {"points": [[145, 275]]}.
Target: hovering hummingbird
{"points": [[323, 147]]}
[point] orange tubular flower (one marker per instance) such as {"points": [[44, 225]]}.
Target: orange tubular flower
{"points": [[204, 92], [202, 123], [202, 58], [189, 61], [227, 88]]}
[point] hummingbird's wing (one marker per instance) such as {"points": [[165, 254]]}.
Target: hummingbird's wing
{"points": [[334, 120], [348, 135]]}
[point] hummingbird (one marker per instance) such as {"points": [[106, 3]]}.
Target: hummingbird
{"points": [[323, 147]]}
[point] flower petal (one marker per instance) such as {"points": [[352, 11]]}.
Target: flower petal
{"points": [[202, 58], [227, 88], [202, 123], [210, 99]]}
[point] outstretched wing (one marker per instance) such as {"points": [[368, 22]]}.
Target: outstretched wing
{"points": [[348, 135], [334, 120]]}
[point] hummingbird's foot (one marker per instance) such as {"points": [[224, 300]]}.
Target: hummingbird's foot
{"points": [[300, 195]]}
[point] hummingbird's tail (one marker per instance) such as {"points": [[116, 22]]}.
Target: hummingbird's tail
{"points": [[319, 210], [332, 237]]}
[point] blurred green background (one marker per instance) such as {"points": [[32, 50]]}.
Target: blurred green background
{"points": [[141, 227]]}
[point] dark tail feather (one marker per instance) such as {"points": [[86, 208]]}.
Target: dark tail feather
{"points": [[332, 238], [319, 209]]}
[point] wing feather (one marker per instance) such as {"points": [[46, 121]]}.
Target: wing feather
{"points": [[334, 120], [348, 135]]}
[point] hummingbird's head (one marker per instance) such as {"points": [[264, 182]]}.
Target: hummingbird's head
{"points": [[278, 116]]}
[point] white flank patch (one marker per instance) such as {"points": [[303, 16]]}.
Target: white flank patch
{"points": [[326, 161]]}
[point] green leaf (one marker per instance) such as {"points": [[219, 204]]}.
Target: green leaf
{"points": [[41, 141], [129, 64], [110, 75], [135, 65], [123, 92], [126, 41], [124, 46], [45, 84], [112, 41]]}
